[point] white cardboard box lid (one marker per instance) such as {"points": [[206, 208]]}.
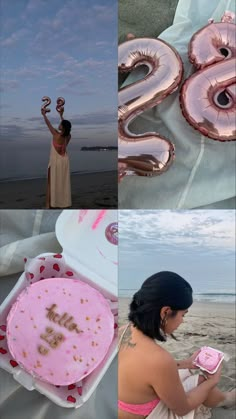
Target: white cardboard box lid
{"points": [[86, 245]]}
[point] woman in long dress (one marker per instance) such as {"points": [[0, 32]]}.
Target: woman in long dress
{"points": [[151, 384], [58, 177]]}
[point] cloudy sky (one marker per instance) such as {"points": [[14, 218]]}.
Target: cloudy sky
{"points": [[58, 48], [199, 245]]}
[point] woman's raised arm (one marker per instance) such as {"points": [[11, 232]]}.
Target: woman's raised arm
{"points": [[61, 111], [52, 130]]}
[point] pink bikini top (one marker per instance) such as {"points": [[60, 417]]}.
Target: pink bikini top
{"points": [[60, 148], [138, 409]]}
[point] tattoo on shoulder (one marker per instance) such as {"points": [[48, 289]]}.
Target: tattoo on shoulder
{"points": [[127, 339]]}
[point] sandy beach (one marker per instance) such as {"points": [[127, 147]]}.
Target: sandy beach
{"points": [[211, 324], [90, 190]]}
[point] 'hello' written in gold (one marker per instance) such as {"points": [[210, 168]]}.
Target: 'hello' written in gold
{"points": [[64, 320]]}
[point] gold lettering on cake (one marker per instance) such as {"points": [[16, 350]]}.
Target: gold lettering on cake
{"points": [[53, 338], [68, 321], [64, 320]]}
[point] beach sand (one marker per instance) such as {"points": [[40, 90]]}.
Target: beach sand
{"points": [[89, 191], [211, 324]]}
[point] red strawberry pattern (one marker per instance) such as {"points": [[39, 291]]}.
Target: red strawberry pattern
{"points": [[56, 267], [2, 337], [3, 327], [41, 269], [42, 258], [71, 386], [13, 363], [25, 260], [3, 351], [31, 275], [58, 256], [71, 399], [80, 390], [69, 273]]}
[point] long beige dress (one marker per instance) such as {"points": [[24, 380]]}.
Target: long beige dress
{"points": [[59, 177]]}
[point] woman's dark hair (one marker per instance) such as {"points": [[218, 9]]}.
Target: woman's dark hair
{"points": [[66, 125], [159, 290]]}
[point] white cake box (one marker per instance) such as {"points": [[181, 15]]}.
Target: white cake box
{"points": [[89, 242]]}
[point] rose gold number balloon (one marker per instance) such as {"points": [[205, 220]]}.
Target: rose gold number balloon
{"points": [[146, 154], [208, 98], [60, 103], [47, 101]]}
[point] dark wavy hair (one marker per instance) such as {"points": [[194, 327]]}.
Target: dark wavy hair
{"points": [[159, 290], [66, 125]]}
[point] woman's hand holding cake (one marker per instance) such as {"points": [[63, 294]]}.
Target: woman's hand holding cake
{"points": [[188, 363]]}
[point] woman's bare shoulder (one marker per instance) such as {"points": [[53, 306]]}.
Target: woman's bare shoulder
{"points": [[57, 134], [156, 355]]}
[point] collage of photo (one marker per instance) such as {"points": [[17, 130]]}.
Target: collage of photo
{"points": [[117, 209]]}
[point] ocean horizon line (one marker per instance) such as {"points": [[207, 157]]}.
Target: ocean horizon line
{"points": [[16, 179], [224, 297]]}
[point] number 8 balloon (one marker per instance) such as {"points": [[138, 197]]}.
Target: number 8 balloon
{"points": [[208, 98], [60, 104], [147, 154]]}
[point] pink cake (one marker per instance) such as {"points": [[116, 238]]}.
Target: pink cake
{"points": [[59, 330], [209, 359]]}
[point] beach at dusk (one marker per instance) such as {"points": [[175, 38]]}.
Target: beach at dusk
{"points": [[89, 190], [57, 49]]}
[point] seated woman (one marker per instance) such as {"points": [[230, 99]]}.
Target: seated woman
{"points": [[149, 383], [58, 179]]}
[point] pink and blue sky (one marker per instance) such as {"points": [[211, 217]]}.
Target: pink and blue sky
{"points": [[57, 48], [197, 244]]}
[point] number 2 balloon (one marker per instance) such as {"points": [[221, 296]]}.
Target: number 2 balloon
{"points": [[47, 101], [147, 154]]}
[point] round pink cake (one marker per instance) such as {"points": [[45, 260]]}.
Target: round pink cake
{"points": [[59, 330], [208, 358]]}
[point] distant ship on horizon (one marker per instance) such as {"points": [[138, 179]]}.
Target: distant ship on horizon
{"points": [[99, 148]]}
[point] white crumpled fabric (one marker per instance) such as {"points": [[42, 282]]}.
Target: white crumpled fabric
{"points": [[203, 173], [28, 233]]}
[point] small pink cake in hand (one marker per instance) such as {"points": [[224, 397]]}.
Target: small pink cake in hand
{"points": [[209, 359], [59, 330]]}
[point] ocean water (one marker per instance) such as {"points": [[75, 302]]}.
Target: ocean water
{"points": [[32, 162], [210, 297]]}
